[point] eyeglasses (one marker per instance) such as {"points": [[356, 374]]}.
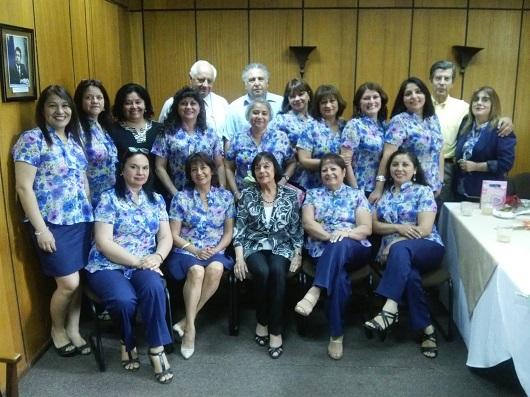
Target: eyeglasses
{"points": [[142, 150]]}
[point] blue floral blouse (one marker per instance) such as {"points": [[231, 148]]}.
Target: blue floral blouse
{"points": [[365, 137], [423, 138], [283, 231], [204, 227], [60, 178], [318, 139], [134, 227], [102, 157], [334, 210], [243, 149], [403, 207], [177, 146]]}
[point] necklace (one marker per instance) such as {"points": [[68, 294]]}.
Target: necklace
{"points": [[267, 201]]}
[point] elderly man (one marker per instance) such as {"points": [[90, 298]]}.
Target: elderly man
{"points": [[202, 77], [451, 112], [256, 79]]}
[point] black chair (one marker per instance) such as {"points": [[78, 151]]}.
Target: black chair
{"points": [[520, 185], [432, 283], [11, 360], [361, 280], [95, 336]]}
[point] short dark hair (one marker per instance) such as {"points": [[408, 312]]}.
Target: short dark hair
{"points": [[324, 91], [270, 157], [295, 86], [198, 158], [444, 65], [71, 128], [173, 121], [104, 118], [333, 158], [420, 175], [119, 100], [121, 189], [17, 49], [383, 112], [399, 104]]}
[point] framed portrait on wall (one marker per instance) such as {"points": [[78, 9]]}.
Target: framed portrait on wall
{"points": [[18, 64]]}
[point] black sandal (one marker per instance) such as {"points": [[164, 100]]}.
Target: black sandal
{"points": [[430, 351], [165, 370], [132, 364], [261, 340], [389, 321], [275, 352]]}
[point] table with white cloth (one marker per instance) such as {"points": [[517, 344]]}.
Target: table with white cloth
{"points": [[491, 288]]}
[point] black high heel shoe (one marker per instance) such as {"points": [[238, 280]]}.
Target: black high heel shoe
{"points": [[389, 321], [430, 351]]}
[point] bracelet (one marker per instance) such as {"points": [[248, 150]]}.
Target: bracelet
{"points": [[185, 245], [43, 231], [380, 178], [160, 255]]}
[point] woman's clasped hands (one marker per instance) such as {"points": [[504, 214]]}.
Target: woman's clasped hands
{"points": [[410, 231]]}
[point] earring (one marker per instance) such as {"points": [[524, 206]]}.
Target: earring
{"points": [[414, 177]]}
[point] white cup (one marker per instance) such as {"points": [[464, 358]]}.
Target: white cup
{"points": [[466, 208], [486, 208], [504, 234]]}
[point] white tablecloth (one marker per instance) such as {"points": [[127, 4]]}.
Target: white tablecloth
{"points": [[499, 326]]}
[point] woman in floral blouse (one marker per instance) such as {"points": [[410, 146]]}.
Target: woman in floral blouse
{"points": [[294, 117], [337, 221], [410, 246], [258, 138], [202, 222], [415, 127], [132, 239], [268, 241], [185, 132], [363, 136], [93, 106], [323, 135], [51, 183]]}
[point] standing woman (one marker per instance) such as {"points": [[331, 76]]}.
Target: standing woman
{"points": [[132, 239], [51, 183], [294, 117], [268, 242], [323, 135], [410, 246], [415, 127], [480, 152], [249, 142], [93, 107], [202, 223], [363, 135], [185, 132]]}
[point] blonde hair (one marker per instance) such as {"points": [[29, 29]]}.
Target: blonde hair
{"points": [[495, 111]]}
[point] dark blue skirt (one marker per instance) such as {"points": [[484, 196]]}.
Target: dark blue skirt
{"points": [[178, 264], [72, 243]]}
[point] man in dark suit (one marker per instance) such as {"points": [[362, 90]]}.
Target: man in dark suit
{"points": [[18, 73]]}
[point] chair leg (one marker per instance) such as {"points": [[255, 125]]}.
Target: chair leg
{"points": [[301, 321], [233, 320], [95, 340], [169, 348], [450, 329]]}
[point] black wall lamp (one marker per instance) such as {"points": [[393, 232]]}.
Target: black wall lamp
{"points": [[464, 54], [302, 54]]}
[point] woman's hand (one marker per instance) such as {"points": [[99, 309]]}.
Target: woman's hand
{"points": [[151, 262], [46, 241], [467, 166], [347, 155], [409, 231], [374, 196], [240, 269], [205, 253], [338, 235], [296, 262]]}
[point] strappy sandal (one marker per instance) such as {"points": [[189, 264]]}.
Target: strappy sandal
{"points": [[306, 305], [132, 364], [162, 376], [261, 340], [430, 351], [389, 320], [275, 352]]}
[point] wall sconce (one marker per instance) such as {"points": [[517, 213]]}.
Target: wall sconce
{"points": [[302, 54], [464, 54]]}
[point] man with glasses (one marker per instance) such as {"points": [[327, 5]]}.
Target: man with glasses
{"points": [[202, 78]]}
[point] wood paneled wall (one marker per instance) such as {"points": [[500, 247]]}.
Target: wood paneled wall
{"points": [[74, 39], [357, 41]]}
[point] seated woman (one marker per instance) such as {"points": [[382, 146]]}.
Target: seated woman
{"points": [[132, 239], [410, 246], [202, 222], [480, 152], [268, 242], [337, 221], [249, 142]]}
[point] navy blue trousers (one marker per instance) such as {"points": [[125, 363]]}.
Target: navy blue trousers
{"points": [[269, 272], [401, 281], [122, 297], [332, 275]]}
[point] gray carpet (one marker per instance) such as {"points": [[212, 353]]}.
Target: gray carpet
{"points": [[236, 366]]}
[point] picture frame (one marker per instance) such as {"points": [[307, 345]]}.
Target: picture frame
{"points": [[17, 48]]}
